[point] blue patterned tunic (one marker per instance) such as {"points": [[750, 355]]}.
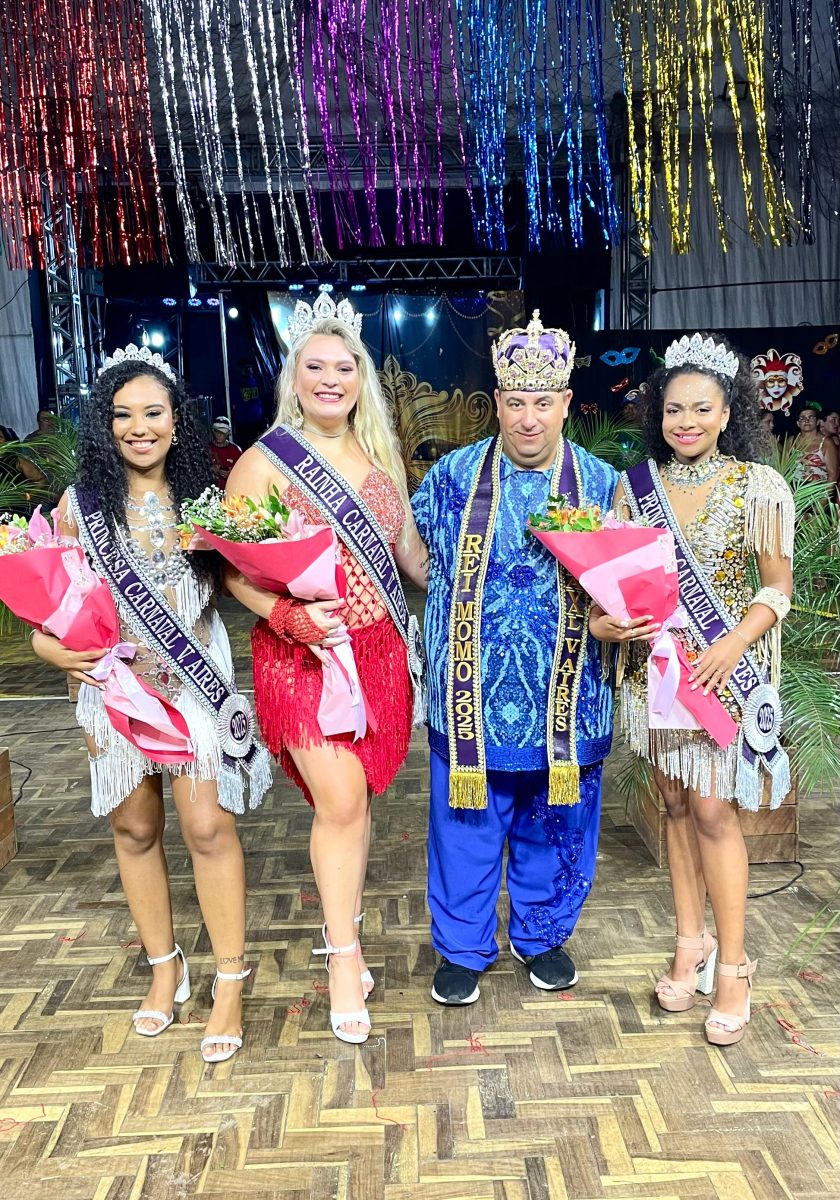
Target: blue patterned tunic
{"points": [[519, 615]]}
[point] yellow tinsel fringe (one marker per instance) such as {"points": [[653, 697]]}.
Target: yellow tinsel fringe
{"points": [[467, 789], [564, 784]]}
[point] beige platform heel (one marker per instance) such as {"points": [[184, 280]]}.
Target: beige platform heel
{"points": [[675, 996], [726, 1029]]}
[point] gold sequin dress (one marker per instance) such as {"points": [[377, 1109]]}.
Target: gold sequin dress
{"points": [[748, 511]]}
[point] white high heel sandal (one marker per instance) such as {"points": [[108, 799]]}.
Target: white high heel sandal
{"points": [[365, 976], [337, 1019], [217, 1039], [182, 994]]}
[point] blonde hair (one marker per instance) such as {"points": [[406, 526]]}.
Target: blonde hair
{"points": [[371, 418]]}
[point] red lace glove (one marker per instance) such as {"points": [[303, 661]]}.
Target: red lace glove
{"points": [[290, 621]]}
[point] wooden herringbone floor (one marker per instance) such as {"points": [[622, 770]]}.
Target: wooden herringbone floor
{"points": [[524, 1096]]}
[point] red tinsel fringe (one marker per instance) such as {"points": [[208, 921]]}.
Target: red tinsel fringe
{"points": [[287, 691], [76, 129]]}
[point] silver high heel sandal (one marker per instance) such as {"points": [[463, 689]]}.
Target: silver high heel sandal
{"points": [[182, 994], [337, 1019], [365, 976], [218, 1039]]}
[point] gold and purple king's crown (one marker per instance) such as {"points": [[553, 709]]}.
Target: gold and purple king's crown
{"points": [[533, 359]]}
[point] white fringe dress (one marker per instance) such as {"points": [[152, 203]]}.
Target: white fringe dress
{"points": [[749, 511], [118, 767]]}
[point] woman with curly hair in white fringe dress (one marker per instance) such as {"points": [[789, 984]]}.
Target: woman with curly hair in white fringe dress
{"points": [[140, 455], [732, 520]]}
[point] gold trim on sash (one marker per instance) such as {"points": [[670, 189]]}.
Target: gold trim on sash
{"points": [[468, 783], [566, 670], [464, 705]]}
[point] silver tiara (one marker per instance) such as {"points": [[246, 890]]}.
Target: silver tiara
{"points": [[325, 308], [140, 354], [694, 351]]}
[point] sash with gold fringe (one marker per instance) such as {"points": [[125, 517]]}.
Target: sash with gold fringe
{"points": [[464, 704]]}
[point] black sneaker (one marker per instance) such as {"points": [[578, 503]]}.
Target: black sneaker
{"points": [[552, 970], [455, 985]]}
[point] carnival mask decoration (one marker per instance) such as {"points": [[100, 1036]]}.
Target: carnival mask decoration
{"points": [[779, 379]]}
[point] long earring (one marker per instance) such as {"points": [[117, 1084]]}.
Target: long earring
{"points": [[297, 419], [174, 439]]}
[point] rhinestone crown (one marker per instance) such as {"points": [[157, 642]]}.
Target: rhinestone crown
{"points": [[533, 359], [709, 356], [140, 354], [306, 316]]}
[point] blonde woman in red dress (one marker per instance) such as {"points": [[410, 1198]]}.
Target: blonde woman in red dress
{"points": [[331, 408]]}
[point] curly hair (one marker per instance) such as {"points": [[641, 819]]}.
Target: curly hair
{"points": [[100, 468], [743, 437]]}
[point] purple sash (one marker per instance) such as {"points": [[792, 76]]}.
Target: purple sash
{"points": [[709, 620], [156, 623], [465, 722], [357, 527]]}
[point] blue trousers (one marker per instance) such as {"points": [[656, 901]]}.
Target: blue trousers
{"points": [[551, 863]]}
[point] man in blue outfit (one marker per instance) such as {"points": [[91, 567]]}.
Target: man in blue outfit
{"points": [[520, 707]]}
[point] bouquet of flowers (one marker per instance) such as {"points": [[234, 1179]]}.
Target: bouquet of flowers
{"points": [[46, 580], [630, 570], [277, 549]]}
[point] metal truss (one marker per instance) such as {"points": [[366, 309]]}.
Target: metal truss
{"points": [[254, 165], [636, 276], [67, 324], [488, 268]]}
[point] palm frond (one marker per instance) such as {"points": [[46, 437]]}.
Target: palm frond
{"points": [[609, 438], [634, 781], [54, 455], [811, 706], [814, 934]]}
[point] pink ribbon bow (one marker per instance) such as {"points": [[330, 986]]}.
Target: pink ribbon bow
{"points": [[664, 647]]}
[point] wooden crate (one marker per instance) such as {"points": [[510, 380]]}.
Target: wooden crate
{"points": [[771, 835], [8, 841]]}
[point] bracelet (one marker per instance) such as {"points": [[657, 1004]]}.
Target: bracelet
{"points": [[773, 599], [738, 633]]}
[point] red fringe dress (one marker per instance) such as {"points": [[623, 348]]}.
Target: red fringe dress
{"points": [[287, 676]]}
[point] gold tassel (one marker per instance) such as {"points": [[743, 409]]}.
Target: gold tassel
{"points": [[467, 789], [564, 784]]}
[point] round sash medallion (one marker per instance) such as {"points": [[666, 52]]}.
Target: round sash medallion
{"points": [[235, 723], [762, 718]]}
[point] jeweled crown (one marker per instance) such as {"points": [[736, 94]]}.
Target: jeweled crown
{"points": [[306, 316], [140, 354], [694, 351], [533, 359]]}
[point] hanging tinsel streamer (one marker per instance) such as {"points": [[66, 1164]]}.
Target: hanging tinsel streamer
{"points": [[671, 46], [380, 68], [605, 201], [485, 50], [552, 53], [802, 15], [674, 82], [75, 129], [639, 139], [193, 43]]}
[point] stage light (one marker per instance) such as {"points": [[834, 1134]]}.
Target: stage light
{"points": [[295, 287], [398, 315], [144, 339], [194, 302], [326, 287], [233, 312], [358, 287], [157, 339], [431, 314], [169, 301], [212, 301]]}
